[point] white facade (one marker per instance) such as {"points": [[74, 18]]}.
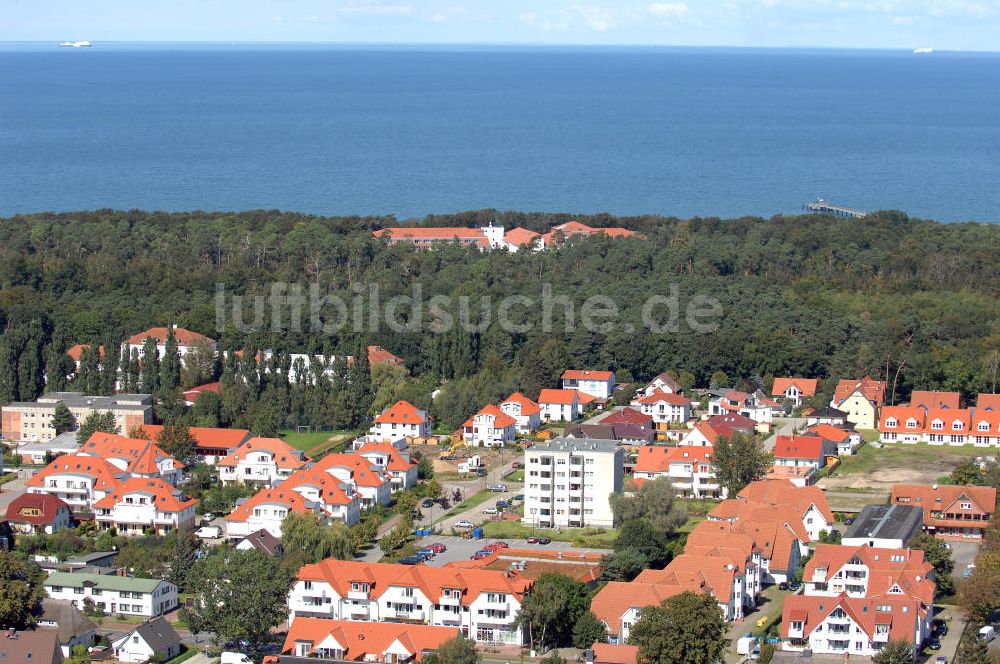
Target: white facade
{"points": [[665, 411], [136, 512], [76, 489], [526, 423], [568, 481], [258, 466], [132, 647], [486, 432], [402, 475], [557, 411], [599, 385], [115, 595]]}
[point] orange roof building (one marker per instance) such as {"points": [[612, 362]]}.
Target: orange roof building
{"points": [[140, 505], [400, 467], [950, 512], [932, 399], [211, 443], [369, 480], [863, 571], [399, 421], [266, 461], [136, 456], [526, 413], [379, 355], [690, 469], [490, 427], [572, 229], [38, 513], [77, 480], [794, 389], [598, 384], [615, 653], [860, 400], [185, 339], [364, 641], [305, 492], [559, 405]]}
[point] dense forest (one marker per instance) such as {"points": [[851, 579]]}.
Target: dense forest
{"points": [[812, 295]]}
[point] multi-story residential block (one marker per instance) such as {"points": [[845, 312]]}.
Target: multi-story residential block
{"points": [[261, 461], [809, 503], [32, 420], [568, 482], [664, 408], [398, 465], [560, 405], [116, 595], [368, 479], [525, 412], [794, 389], [851, 626], [136, 456], [950, 512], [139, 505], [38, 513], [77, 480], [863, 571], [598, 384], [210, 443], [483, 604], [690, 469], [348, 641], [401, 420], [860, 399], [186, 340], [490, 427], [778, 539]]}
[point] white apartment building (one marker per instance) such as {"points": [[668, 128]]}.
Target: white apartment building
{"points": [[568, 481], [398, 465], [401, 420], [263, 461], [115, 595], [77, 480], [689, 468], [145, 504], [525, 412], [490, 427], [598, 384], [482, 603]]}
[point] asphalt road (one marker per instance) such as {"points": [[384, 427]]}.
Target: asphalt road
{"points": [[783, 426]]}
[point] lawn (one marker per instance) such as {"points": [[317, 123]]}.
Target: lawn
{"points": [[898, 462], [471, 501], [590, 538], [307, 440], [515, 475]]}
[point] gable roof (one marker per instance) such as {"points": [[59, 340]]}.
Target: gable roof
{"points": [[587, 374], [500, 419], [263, 541], [935, 498], [330, 490], [366, 641], [401, 412], [520, 236], [76, 351], [293, 500], [40, 646], [668, 397], [528, 407], [906, 569], [933, 399], [286, 457], [379, 355], [70, 621], [988, 402], [784, 493], [812, 611], [106, 476], [668, 379], [657, 458], [140, 455], [207, 438], [615, 598], [103, 581], [396, 460], [726, 425], [608, 653], [806, 386], [165, 497], [549, 395], [871, 389], [47, 504], [157, 633], [362, 471], [807, 448], [626, 415], [828, 432], [184, 337]]}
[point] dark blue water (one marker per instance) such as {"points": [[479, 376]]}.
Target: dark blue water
{"points": [[410, 131]]}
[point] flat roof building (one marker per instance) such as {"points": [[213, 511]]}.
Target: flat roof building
{"points": [[884, 526], [568, 482]]}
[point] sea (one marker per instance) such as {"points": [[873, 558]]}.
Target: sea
{"points": [[413, 130]]}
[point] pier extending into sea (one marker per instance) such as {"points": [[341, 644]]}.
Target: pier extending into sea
{"points": [[826, 207]]}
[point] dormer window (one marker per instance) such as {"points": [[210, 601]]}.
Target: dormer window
{"points": [[911, 423], [984, 426], [957, 425], [937, 425], [891, 423], [965, 506]]}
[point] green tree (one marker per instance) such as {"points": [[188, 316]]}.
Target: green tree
{"points": [[170, 363], [552, 609], [938, 555], [307, 540], [95, 422], [62, 419], [149, 367], [655, 501], [243, 594], [433, 489], [684, 629], [455, 651], [894, 652], [973, 650], [177, 441], [967, 472], [739, 461], [588, 630], [425, 468], [183, 547], [21, 591], [640, 535]]}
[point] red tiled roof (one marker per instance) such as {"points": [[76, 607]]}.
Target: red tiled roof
{"points": [[931, 399], [165, 497], [812, 610], [829, 432], [140, 455], [784, 493], [528, 407], [798, 447], [657, 458], [946, 499], [627, 416], [379, 355], [207, 437], [48, 506], [871, 389], [520, 236], [586, 374], [282, 495], [558, 396], [905, 569], [667, 397], [363, 472], [285, 456], [501, 419], [330, 489], [183, 337], [430, 233], [105, 475], [193, 393], [76, 352], [988, 402], [367, 641], [607, 653], [401, 412], [396, 460], [806, 386]]}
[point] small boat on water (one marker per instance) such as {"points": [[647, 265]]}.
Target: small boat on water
{"points": [[76, 44], [923, 49]]}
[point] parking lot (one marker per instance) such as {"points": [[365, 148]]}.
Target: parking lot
{"points": [[462, 549]]}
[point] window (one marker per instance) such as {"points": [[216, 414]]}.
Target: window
{"points": [[965, 506]]}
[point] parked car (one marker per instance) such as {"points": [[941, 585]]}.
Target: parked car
{"points": [[482, 553], [411, 560], [427, 503], [940, 659], [491, 511], [437, 547], [427, 552], [545, 540], [497, 545], [208, 532], [941, 627], [518, 498], [783, 585], [235, 658], [532, 540], [499, 488], [793, 586], [849, 520], [516, 465], [503, 504], [481, 472], [934, 643], [464, 523]]}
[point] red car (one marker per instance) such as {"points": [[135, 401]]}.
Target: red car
{"points": [[532, 540], [497, 545], [437, 547]]}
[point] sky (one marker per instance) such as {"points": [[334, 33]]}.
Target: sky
{"points": [[907, 24]]}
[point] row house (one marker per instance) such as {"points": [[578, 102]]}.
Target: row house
{"points": [[929, 399], [846, 626], [690, 469], [77, 480], [112, 594], [864, 571], [665, 382], [664, 409], [401, 420], [490, 427], [140, 505], [753, 406], [261, 461], [773, 534], [860, 399], [940, 426], [31, 421], [136, 456], [950, 512], [794, 390], [598, 384], [211, 444], [561, 405], [396, 464], [482, 604], [369, 480], [348, 641], [526, 413]]}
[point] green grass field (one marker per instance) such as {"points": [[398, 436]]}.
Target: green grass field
{"points": [[471, 501], [589, 538], [308, 440]]}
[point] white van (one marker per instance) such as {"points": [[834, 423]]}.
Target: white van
{"points": [[235, 658], [209, 532], [987, 633]]}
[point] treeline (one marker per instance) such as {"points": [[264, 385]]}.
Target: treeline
{"points": [[911, 300]]}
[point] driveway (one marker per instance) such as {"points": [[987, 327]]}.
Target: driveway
{"points": [[962, 554], [783, 426], [11, 490]]}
